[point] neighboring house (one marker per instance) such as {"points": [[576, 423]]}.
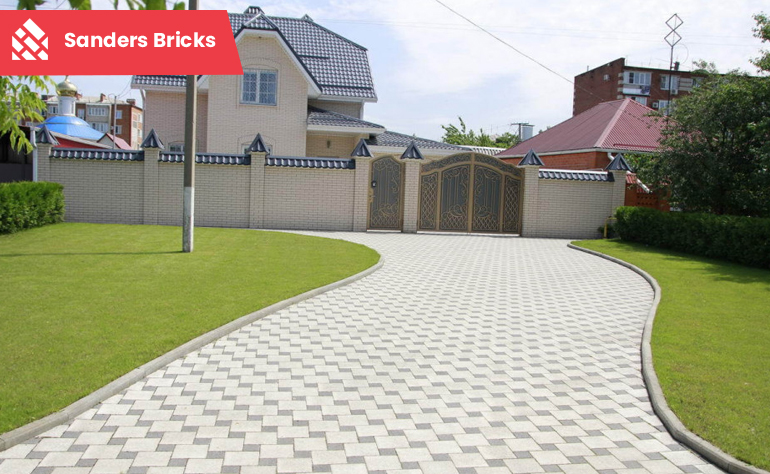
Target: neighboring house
{"points": [[653, 87], [304, 89], [102, 114], [589, 140]]}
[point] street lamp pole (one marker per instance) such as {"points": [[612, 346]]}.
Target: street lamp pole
{"points": [[191, 106]]}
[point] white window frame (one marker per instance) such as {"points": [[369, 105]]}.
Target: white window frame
{"points": [[664, 106], [81, 113], [103, 127], [177, 147], [637, 77], [96, 111], [118, 129], [257, 73], [641, 100], [118, 114], [53, 109]]}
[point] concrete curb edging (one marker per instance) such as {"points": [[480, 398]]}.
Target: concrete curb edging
{"points": [[30, 430], [674, 426]]}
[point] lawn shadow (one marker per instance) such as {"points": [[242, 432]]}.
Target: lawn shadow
{"points": [[716, 269], [62, 254]]}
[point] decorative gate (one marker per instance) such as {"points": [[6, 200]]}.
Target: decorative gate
{"points": [[471, 192], [386, 194]]}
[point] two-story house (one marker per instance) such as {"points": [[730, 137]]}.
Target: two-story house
{"points": [[303, 89], [616, 80]]}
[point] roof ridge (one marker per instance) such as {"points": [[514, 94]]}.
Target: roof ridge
{"points": [[325, 29], [612, 123]]}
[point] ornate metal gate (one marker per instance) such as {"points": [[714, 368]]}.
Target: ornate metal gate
{"points": [[386, 194], [471, 192]]}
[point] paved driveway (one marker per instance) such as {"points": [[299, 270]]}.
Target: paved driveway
{"points": [[465, 354]]}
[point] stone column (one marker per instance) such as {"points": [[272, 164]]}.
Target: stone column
{"points": [[361, 189], [618, 190], [151, 146], [44, 142], [529, 219], [257, 190], [411, 195], [44, 161], [531, 164], [151, 185]]}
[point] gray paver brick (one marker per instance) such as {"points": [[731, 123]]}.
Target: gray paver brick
{"points": [[461, 354]]}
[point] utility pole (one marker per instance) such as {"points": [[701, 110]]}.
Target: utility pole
{"points": [[191, 111]]}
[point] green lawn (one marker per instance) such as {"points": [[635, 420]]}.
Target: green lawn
{"points": [[710, 345], [82, 304]]}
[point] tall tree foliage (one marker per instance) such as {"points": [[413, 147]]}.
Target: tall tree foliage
{"points": [[462, 136], [716, 146], [19, 99], [20, 103]]}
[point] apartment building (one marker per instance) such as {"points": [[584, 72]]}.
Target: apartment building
{"points": [[652, 87], [103, 112]]}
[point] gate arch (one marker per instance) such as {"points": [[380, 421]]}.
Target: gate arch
{"points": [[386, 194], [471, 192]]}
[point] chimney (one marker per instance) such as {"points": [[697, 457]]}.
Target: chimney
{"points": [[102, 97], [131, 101]]}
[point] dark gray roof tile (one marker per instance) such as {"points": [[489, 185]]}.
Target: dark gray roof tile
{"points": [[43, 135], [618, 163], [531, 159], [412, 152], [338, 66], [208, 158], [98, 154], [394, 139], [152, 141], [301, 162], [362, 150], [316, 116], [258, 145], [576, 175]]}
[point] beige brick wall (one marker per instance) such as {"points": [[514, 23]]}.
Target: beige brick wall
{"points": [[333, 146], [101, 191], [165, 111], [221, 195], [233, 125], [308, 199], [354, 109], [571, 209]]}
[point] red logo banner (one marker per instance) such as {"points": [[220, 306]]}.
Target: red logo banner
{"points": [[118, 42]]}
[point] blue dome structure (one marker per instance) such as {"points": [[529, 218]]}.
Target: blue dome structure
{"points": [[72, 126]]}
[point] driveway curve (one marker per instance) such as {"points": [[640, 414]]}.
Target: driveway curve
{"points": [[467, 354]]}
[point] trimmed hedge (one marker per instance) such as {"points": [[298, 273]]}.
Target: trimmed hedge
{"points": [[744, 240], [25, 204]]}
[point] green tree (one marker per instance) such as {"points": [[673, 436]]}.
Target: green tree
{"points": [[716, 147], [462, 136], [21, 103], [19, 99], [762, 31]]}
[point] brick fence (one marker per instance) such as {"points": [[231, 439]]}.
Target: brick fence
{"points": [[255, 190]]}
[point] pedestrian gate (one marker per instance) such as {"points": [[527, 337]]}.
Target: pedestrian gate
{"points": [[386, 194]]}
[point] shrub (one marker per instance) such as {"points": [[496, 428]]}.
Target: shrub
{"points": [[744, 240], [25, 204]]}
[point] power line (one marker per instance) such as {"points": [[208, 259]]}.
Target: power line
{"points": [[505, 43]]}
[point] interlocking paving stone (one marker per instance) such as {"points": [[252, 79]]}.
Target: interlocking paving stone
{"points": [[468, 354]]}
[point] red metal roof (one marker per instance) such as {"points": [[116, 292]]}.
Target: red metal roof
{"points": [[622, 125]]}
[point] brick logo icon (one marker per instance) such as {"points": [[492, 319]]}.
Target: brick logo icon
{"points": [[30, 43]]}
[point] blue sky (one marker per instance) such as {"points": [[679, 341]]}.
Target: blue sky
{"points": [[430, 66]]}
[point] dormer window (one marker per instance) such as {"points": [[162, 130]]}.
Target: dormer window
{"points": [[259, 87]]}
